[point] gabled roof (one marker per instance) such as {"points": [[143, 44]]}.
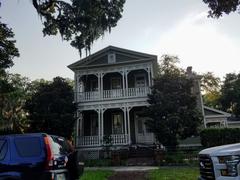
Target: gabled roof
{"points": [[99, 56], [211, 112]]}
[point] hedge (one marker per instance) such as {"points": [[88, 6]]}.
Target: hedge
{"points": [[8, 131], [219, 136]]}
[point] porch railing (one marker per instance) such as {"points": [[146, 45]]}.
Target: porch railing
{"points": [[119, 139], [88, 140], [113, 94]]}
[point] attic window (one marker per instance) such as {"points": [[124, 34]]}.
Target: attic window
{"points": [[111, 58]]}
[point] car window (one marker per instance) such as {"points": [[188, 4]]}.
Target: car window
{"points": [[28, 146], [3, 149], [59, 145]]}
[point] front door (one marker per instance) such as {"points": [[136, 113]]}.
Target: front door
{"points": [[143, 135]]}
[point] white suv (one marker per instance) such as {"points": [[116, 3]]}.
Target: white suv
{"points": [[220, 163]]}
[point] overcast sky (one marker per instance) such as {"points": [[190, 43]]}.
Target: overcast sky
{"points": [[154, 26]]}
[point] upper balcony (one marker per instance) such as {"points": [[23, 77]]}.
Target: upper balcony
{"points": [[113, 85]]}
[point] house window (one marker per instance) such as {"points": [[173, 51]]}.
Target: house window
{"points": [[117, 123], [93, 85], [140, 80], [116, 83], [94, 124], [111, 58]]}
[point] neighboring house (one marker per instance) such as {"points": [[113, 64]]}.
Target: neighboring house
{"points": [[111, 88], [216, 118]]}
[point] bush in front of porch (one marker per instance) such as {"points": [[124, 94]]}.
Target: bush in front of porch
{"points": [[173, 113]]}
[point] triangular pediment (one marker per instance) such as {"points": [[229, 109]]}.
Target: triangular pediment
{"points": [[120, 56]]}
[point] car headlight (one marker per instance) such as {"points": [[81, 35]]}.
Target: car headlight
{"points": [[231, 163]]}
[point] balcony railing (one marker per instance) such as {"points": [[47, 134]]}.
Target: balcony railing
{"points": [[113, 94], [88, 141]]}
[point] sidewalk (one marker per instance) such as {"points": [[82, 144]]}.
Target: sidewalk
{"points": [[123, 168]]}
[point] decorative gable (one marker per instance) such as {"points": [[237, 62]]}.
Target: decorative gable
{"points": [[112, 55]]}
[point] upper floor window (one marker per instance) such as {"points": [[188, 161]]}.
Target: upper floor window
{"points": [[111, 58]]}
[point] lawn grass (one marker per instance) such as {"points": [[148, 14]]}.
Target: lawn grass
{"points": [[96, 175], [163, 173], [173, 173]]}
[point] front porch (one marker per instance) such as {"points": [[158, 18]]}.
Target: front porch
{"points": [[117, 127]]}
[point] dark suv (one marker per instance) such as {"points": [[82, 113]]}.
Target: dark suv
{"points": [[38, 157]]}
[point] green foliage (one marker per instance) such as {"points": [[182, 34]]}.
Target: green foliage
{"points": [[219, 136], [5, 131], [209, 82], [230, 98], [168, 65], [79, 21], [174, 173], [96, 175], [212, 99], [184, 158], [12, 114], [210, 85], [218, 7], [7, 49], [51, 108], [173, 109]]}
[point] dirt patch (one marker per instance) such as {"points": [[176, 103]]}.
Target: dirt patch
{"points": [[130, 175]]}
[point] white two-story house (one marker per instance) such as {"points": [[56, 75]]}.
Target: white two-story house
{"points": [[111, 88]]}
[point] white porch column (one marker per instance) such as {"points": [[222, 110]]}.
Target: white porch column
{"points": [[102, 121], [125, 120], [149, 76], [75, 87], [99, 85], [99, 126], [123, 83], [126, 81], [77, 132], [152, 75], [128, 121], [81, 124]]}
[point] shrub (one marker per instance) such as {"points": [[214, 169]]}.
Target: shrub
{"points": [[220, 136]]}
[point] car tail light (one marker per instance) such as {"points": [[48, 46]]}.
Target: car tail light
{"points": [[50, 157]]}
